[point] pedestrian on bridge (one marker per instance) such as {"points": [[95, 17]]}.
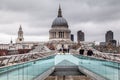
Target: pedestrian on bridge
{"points": [[81, 51], [90, 52]]}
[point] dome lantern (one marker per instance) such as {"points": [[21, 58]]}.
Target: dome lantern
{"points": [[60, 21], [59, 12]]}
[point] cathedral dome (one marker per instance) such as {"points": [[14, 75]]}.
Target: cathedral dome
{"points": [[60, 21], [59, 29]]}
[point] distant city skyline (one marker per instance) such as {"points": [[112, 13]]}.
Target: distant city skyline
{"points": [[93, 17]]}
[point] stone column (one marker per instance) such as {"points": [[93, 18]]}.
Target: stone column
{"points": [[65, 35], [57, 34], [50, 34]]}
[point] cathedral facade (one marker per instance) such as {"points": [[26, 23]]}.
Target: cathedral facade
{"points": [[60, 34], [59, 30]]}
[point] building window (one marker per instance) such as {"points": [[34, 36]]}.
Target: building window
{"points": [[55, 35], [62, 34], [59, 34]]}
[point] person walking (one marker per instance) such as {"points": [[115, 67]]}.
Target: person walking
{"points": [[90, 52], [81, 51]]}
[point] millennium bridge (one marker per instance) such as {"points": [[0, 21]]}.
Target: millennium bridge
{"points": [[38, 65]]}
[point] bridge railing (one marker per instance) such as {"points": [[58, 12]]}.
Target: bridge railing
{"points": [[13, 59]]}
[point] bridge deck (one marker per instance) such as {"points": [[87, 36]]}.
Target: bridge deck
{"points": [[68, 78]]}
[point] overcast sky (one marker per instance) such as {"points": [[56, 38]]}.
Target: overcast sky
{"points": [[93, 17]]}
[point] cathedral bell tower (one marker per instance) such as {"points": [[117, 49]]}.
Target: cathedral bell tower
{"points": [[20, 38]]}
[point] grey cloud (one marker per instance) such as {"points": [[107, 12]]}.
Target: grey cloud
{"points": [[36, 16]]}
